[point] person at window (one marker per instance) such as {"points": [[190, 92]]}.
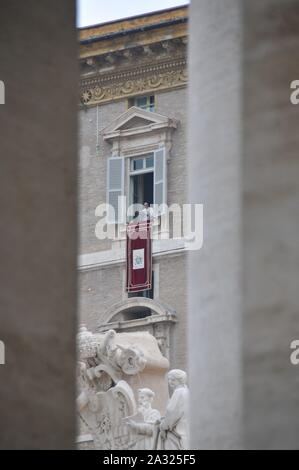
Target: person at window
{"points": [[136, 217], [147, 213]]}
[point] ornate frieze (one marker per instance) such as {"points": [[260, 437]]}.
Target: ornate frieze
{"points": [[133, 81]]}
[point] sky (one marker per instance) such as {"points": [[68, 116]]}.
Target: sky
{"points": [[91, 12]]}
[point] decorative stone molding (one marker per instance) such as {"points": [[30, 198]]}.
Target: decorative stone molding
{"points": [[113, 418], [137, 131], [124, 126], [133, 81], [158, 323], [156, 307]]}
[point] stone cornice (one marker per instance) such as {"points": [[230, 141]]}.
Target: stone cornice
{"points": [[138, 30], [134, 56]]}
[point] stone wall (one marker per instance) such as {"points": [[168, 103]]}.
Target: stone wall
{"points": [[244, 162], [215, 181], [38, 225], [103, 287], [93, 166], [271, 225]]}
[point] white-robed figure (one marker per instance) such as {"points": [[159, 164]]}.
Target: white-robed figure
{"points": [[147, 213], [174, 427]]}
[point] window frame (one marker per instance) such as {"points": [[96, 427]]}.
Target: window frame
{"points": [[151, 107], [143, 171], [144, 168]]}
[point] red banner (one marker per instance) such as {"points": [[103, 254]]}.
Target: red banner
{"points": [[139, 256]]}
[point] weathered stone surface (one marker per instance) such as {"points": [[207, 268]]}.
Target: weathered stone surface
{"points": [[269, 197], [101, 288], [271, 224], [112, 368], [215, 149], [38, 224]]}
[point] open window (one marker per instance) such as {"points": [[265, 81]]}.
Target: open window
{"points": [[143, 139], [142, 179], [148, 178]]}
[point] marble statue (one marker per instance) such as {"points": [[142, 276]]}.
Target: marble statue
{"points": [[174, 432], [110, 367], [144, 425]]}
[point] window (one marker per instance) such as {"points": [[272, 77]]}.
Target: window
{"points": [[142, 179], [143, 102], [147, 183], [143, 163]]}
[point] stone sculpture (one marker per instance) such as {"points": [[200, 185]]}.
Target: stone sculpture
{"points": [[109, 368], [174, 432], [145, 428]]}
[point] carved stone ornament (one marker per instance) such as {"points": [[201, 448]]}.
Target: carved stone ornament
{"points": [[158, 324], [107, 406], [107, 370], [133, 81]]}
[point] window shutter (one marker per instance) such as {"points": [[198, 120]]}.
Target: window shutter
{"points": [[115, 187], [160, 185]]}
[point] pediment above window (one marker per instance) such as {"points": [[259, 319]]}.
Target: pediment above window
{"points": [[137, 121]]}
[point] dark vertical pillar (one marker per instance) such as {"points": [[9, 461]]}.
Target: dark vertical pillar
{"points": [[38, 228], [215, 146], [271, 224]]}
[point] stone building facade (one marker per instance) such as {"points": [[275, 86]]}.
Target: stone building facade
{"points": [[133, 98]]}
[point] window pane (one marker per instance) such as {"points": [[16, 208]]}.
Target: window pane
{"points": [[141, 102], [152, 103], [138, 164], [145, 102], [150, 162]]}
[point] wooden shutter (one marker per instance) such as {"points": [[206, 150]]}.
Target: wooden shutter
{"points": [[115, 186], [160, 184]]}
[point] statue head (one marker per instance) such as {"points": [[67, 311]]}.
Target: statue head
{"points": [[145, 398], [176, 377]]}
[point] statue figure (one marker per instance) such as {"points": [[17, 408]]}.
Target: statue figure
{"points": [[106, 347], [145, 399], [174, 432], [144, 424]]}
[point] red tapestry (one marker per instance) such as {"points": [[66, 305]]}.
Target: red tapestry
{"points": [[139, 257]]}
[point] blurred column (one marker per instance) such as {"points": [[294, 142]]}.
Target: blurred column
{"points": [[38, 227], [271, 224], [215, 123], [220, 345]]}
